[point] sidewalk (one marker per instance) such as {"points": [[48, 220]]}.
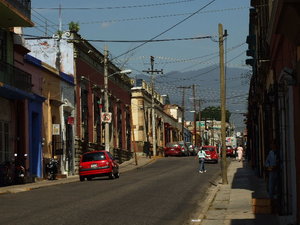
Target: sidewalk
{"points": [[232, 204], [125, 166]]}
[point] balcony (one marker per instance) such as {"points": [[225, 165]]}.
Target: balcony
{"points": [[15, 13], [15, 77]]}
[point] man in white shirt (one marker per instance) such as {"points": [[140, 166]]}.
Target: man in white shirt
{"points": [[201, 156]]}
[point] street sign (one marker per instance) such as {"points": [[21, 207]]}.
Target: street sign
{"points": [[55, 129], [106, 117]]}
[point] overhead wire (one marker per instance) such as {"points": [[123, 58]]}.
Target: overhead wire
{"points": [[45, 20], [158, 16], [113, 7], [206, 72], [156, 36]]}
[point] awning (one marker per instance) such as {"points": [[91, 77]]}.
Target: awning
{"points": [[10, 92]]}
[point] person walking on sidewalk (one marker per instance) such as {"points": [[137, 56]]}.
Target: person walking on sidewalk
{"points": [[240, 152], [147, 149], [201, 155], [271, 165]]}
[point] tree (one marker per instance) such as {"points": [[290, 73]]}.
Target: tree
{"points": [[74, 27], [213, 112]]}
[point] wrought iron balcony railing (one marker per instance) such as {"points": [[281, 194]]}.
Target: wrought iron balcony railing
{"points": [[15, 77]]}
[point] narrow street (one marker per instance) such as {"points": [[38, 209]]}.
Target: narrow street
{"points": [[169, 191]]}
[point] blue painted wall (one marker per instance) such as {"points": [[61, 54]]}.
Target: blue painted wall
{"points": [[35, 136]]}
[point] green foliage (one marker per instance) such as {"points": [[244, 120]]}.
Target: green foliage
{"points": [[74, 27], [59, 33], [213, 112]]}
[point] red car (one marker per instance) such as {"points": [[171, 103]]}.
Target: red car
{"points": [[173, 149], [97, 164], [230, 151], [212, 152]]}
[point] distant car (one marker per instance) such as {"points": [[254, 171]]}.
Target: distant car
{"points": [[184, 148], [173, 149], [192, 148], [97, 164], [230, 152], [212, 152]]}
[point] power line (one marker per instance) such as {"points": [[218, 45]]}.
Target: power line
{"points": [[115, 7], [166, 30], [44, 17], [158, 40], [206, 72], [125, 41], [159, 16]]}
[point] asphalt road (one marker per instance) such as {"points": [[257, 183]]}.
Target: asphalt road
{"points": [[169, 191]]}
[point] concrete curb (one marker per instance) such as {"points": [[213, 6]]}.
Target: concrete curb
{"points": [[207, 203]]}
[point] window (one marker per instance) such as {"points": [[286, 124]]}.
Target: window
{"points": [[96, 156], [4, 141], [3, 47]]}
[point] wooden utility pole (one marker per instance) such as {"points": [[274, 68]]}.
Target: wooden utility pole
{"points": [[107, 136], [195, 116], [183, 108], [152, 71], [200, 117], [223, 105]]}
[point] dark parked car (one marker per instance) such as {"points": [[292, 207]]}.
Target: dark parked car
{"points": [[97, 164], [192, 148], [184, 148], [212, 152]]}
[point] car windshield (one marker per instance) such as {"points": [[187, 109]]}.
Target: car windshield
{"points": [[181, 143], [95, 156], [208, 149], [172, 145]]}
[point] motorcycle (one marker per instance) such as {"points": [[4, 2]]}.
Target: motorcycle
{"points": [[19, 174], [13, 171], [52, 169], [6, 173]]}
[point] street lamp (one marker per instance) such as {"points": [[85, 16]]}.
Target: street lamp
{"points": [[106, 76]]}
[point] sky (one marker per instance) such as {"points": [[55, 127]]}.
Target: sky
{"points": [[168, 21]]}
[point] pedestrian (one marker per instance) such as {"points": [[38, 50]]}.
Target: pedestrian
{"points": [[201, 155], [146, 149], [240, 152], [271, 166]]}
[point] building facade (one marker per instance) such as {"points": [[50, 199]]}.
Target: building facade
{"points": [[274, 97], [167, 128], [20, 95], [81, 102]]}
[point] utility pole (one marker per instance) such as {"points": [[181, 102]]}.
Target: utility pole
{"points": [[213, 132], [223, 104], [106, 97], [183, 108], [195, 116], [133, 138], [152, 71], [200, 132]]}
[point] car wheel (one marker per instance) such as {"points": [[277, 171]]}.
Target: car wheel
{"points": [[117, 175], [89, 178], [112, 176], [81, 178]]}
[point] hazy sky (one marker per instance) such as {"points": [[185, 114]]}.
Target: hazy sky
{"points": [[131, 20]]}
